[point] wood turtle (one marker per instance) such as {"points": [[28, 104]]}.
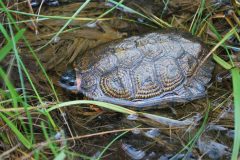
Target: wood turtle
{"points": [[144, 70]]}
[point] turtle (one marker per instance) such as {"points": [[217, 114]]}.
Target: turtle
{"points": [[143, 71]]}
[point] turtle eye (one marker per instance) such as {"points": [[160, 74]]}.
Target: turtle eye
{"points": [[68, 78], [71, 83]]}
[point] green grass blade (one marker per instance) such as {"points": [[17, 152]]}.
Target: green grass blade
{"points": [[5, 50], [66, 24], [214, 30], [197, 19], [4, 8], [52, 146], [76, 155], [30, 81], [18, 60], [189, 146], [98, 103], [109, 144], [236, 94], [50, 119], [110, 10], [227, 36], [222, 62], [46, 17], [20, 136], [36, 154], [14, 95], [4, 32], [140, 14], [61, 156]]}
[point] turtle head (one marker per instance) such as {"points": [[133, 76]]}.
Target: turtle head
{"points": [[70, 82]]}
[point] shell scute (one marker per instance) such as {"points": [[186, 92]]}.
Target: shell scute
{"points": [[117, 84], [129, 58], [169, 73], [145, 81]]}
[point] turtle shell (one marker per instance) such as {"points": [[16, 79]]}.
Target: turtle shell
{"points": [[146, 70]]}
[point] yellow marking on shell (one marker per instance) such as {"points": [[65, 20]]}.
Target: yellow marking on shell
{"points": [[147, 91], [170, 84], [110, 91], [169, 74]]}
